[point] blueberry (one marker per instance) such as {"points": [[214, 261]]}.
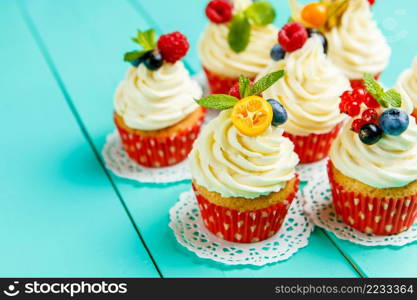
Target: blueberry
{"points": [[311, 32], [280, 114], [370, 134], [394, 121], [153, 60], [136, 62], [277, 53]]}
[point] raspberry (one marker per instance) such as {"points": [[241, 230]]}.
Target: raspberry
{"points": [[173, 46], [371, 2], [370, 101], [357, 124], [292, 36], [370, 116], [219, 11], [234, 91]]}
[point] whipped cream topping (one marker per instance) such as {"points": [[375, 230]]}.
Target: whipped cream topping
{"points": [[217, 56], [310, 89], [392, 162], [234, 165], [407, 86], [357, 46], [153, 100]]}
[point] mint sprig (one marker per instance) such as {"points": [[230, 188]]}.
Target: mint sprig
{"points": [[260, 13], [223, 101], [145, 39], [384, 98]]}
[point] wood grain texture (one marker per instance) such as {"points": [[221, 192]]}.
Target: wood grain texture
{"points": [[59, 215]]}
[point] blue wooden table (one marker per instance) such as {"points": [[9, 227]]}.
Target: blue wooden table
{"points": [[61, 212]]}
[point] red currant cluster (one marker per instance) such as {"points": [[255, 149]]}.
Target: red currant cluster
{"points": [[351, 105]]}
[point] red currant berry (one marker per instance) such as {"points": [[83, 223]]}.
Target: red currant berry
{"points": [[234, 91], [359, 95], [219, 11], [353, 108], [370, 116], [370, 101], [346, 96], [357, 124], [292, 36]]}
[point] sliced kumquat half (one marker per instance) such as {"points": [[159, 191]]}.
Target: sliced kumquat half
{"points": [[252, 115]]}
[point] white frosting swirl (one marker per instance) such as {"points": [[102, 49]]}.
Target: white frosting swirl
{"points": [[235, 165], [152, 100], [217, 56], [407, 86], [357, 46], [310, 89], [392, 162]]}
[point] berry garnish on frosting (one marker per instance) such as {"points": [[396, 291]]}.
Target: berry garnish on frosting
{"points": [[170, 48], [251, 114], [376, 111], [322, 15], [259, 13], [292, 37]]}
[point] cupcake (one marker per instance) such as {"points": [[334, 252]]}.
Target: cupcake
{"points": [[155, 112], [243, 168], [373, 163], [356, 45], [237, 41], [310, 90], [407, 86]]}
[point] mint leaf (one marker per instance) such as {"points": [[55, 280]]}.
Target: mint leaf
{"points": [[267, 81], [239, 33], [133, 55], [261, 13], [392, 97], [220, 101], [373, 87], [146, 39], [244, 86]]}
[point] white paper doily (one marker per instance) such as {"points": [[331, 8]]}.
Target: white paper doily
{"points": [[312, 171], [192, 234], [120, 164], [319, 206]]}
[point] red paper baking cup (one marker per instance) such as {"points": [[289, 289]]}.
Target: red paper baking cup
{"points": [[220, 84], [156, 152], [313, 147], [380, 216], [358, 83], [244, 227]]}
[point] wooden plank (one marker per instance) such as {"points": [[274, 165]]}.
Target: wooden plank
{"points": [[91, 78], [59, 216]]}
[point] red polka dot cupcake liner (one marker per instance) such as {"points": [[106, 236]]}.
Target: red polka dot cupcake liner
{"points": [[380, 216], [244, 227], [313, 147], [156, 152], [219, 84], [358, 83]]}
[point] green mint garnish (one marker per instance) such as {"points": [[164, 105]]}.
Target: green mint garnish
{"points": [[266, 82], [244, 86], [385, 98], [145, 39], [239, 33], [259, 13], [222, 101], [219, 101]]}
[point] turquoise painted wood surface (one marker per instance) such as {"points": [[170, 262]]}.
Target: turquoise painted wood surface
{"points": [[59, 214], [80, 43]]}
